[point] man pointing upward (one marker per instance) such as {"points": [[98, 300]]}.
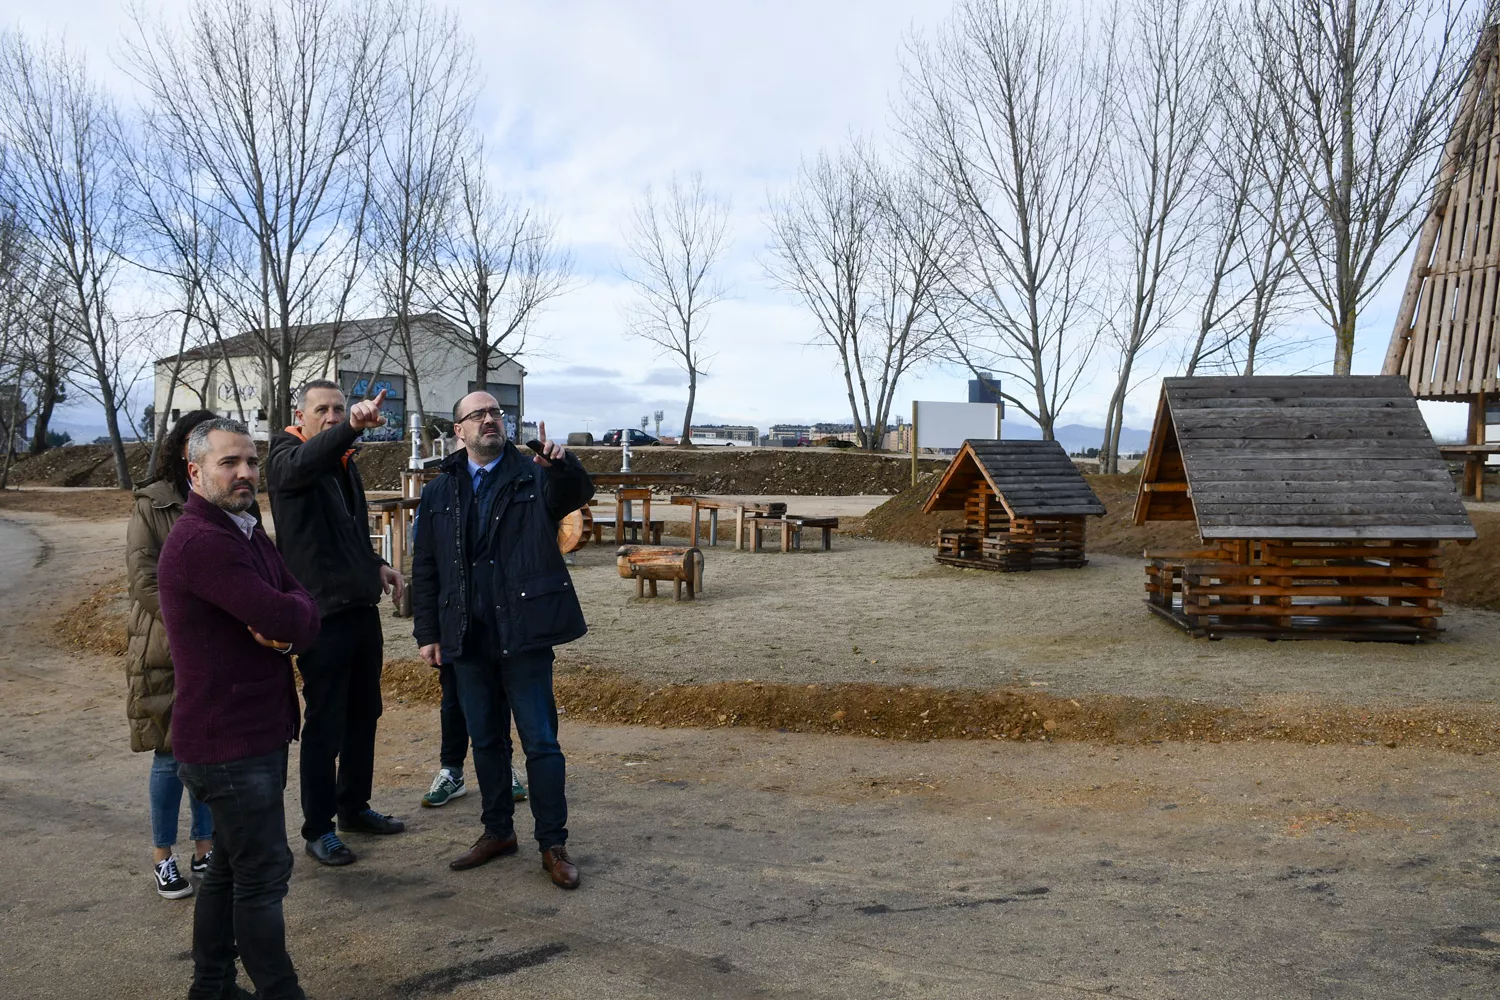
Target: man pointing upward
{"points": [[492, 596], [322, 530]]}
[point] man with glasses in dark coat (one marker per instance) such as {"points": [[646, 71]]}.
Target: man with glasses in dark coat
{"points": [[491, 596]]}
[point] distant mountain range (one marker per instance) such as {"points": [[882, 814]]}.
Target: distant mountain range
{"points": [[1078, 437]]}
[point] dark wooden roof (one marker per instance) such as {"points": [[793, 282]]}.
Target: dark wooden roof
{"points": [[1298, 457], [1031, 478]]}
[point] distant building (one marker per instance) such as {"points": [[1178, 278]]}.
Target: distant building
{"points": [[725, 434], [231, 377]]}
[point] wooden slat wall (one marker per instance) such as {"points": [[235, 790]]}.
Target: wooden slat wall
{"points": [[1305, 457], [1446, 344]]}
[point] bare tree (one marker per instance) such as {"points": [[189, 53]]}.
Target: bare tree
{"points": [[864, 248], [178, 244], [1252, 206], [63, 136], [1007, 110], [1165, 106], [673, 246], [1364, 90], [270, 105], [430, 87], [495, 267]]}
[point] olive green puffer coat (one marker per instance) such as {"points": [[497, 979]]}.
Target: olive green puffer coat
{"points": [[149, 661]]}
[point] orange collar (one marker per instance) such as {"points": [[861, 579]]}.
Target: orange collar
{"points": [[297, 433]]}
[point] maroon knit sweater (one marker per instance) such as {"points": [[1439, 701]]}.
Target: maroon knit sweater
{"points": [[235, 698]]}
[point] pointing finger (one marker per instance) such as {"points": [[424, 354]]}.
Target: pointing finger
{"points": [[379, 398], [541, 431]]}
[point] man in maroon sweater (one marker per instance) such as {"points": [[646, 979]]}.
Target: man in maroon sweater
{"points": [[234, 614]]}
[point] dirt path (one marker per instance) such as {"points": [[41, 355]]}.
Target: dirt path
{"points": [[888, 613], [731, 863]]}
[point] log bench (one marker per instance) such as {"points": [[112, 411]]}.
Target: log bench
{"points": [[648, 564], [791, 530]]}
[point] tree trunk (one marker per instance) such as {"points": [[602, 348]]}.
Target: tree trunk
{"points": [[1343, 352], [687, 417], [47, 402]]}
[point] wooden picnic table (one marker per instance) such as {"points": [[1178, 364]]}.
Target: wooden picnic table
{"points": [[715, 504]]}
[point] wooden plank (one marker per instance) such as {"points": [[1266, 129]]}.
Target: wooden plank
{"points": [[1321, 509], [1182, 392], [1337, 532], [1278, 467], [1307, 448], [1439, 484], [1414, 519]]}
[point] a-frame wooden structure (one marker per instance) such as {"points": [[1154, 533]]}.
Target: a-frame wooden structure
{"points": [[1446, 342], [1322, 502], [1024, 505]]}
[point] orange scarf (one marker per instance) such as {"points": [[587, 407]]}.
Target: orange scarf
{"points": [[297, 433]]}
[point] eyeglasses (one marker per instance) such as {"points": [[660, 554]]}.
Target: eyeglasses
{"points": [[488, 413]]}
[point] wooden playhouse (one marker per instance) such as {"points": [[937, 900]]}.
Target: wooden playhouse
{"points": [[1024, 505], [1321, 502]]}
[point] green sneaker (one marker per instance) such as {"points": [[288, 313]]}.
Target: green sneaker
{"points": [[517, 790], [445, 788]]}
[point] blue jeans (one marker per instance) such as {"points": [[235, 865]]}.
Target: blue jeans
{"points": [[239, 903], [166, 801], [493, 688]]}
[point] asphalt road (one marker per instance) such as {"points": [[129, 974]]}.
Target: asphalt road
{"points": [[730, 863]]}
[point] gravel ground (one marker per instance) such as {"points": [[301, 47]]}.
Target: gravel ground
{"points": [[887, 613]]}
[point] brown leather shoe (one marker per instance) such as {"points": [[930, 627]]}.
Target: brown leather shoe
{"points": [[487, 848], [560, 867]]}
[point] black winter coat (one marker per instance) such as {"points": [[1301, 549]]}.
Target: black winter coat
{"points": [[322, 536], [536, 606]]}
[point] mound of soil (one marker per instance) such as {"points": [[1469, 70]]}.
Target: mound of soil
{"points": [[79, 465], [926, 713], [900, 519], [1472, 572]]}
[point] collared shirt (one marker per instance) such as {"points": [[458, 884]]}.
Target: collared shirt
{"points": [[246, 522], [474, 469]]}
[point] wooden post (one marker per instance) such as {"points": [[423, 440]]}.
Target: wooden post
{"points": [[1478, 406], [914, 443], [739, 527], [693, 516], [713, 527]]}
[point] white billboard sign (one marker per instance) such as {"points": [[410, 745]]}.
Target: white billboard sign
{"points": [[948, 425]]}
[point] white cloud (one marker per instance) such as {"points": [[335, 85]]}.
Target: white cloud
{"points": [[586, 102]]}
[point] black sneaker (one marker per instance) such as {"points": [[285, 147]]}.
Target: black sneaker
{"points": [[370, 821], [169, 881], [199, 865], [330, 850]]}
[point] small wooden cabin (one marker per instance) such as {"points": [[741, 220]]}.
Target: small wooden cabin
{"points": [[1321, 502], [1024, 505]]}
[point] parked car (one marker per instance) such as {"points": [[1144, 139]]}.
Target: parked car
{"points": [[637, 439]]}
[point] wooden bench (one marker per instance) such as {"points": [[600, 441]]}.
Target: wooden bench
{"points": [[633, 530], [715, 504], [791, 530], [648, 564]]}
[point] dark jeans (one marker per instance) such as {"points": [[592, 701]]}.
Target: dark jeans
{"points": [[341, 687], [239, 903], [455, 740], [492, 689]]}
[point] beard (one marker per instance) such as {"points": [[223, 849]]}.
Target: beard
{"points": [[229, 498], [486, 444]]}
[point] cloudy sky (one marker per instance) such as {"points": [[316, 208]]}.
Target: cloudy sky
{"points": [[587, 101]]}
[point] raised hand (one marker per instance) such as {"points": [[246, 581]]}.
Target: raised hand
{"points": [[366, 413], [551, 450]]}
